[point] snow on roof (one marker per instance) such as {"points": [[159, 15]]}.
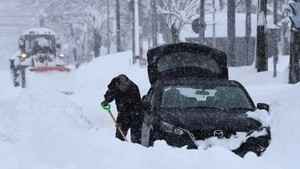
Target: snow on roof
{"points": [[39, 31]]}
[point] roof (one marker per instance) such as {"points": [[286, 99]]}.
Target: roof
{"points": [[39, 31]]}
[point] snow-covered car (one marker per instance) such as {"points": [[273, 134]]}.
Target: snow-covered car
{"points": [[192, 103]]}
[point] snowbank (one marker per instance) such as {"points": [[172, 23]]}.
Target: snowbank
{"points": [[43, 128]]}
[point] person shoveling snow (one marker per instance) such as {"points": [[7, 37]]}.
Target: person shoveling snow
{"points": [[129, 105]]}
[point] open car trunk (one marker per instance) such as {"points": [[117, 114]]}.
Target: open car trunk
{"points": [[186, 60]]}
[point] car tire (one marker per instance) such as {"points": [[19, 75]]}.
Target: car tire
{"points": [[256, 145]]}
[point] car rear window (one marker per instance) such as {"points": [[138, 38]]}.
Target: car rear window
{"points": [[186, 59]]}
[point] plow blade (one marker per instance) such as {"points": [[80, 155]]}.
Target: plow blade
{"points": [[50, 69]]}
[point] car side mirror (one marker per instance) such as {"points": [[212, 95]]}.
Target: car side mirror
{"points": [[263, 106]]}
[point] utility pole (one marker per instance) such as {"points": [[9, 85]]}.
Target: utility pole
{"points": [[214, 23], [202, 22], [294, 72], [118, 26], [136, 32], [275, 11], [261, 56], [231, 30], [275, 41], [154, 23], [248, 28]]}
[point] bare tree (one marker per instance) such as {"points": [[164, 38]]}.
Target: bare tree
{"points": [[118, 26], [108, 26]]}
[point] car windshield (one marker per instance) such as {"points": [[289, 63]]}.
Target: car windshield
{"points": [[220, 97]]}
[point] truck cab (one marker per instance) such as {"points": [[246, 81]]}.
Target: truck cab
{"points": [[39, 52]]}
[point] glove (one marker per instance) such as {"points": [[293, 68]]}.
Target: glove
{"points": [[104, 103]]}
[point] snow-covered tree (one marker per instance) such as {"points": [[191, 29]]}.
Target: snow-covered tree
{"points": [[79, 23], [177, 13]]}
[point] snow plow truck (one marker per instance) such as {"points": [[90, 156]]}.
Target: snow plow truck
{"points": [[38, 52]]}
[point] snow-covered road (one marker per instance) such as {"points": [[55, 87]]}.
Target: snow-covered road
{"points": [[42, 128]]}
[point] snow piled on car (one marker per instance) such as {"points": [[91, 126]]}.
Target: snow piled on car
{"points": [[264, 117], [42, 127]]}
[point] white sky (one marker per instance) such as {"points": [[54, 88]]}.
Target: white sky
{"points": [[13, 21]]}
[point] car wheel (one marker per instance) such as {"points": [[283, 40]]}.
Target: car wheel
{"points": [[256, 145]]}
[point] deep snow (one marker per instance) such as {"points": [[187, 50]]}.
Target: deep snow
{"points": [[43, 128]]}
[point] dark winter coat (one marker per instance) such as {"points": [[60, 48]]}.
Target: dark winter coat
{"points": [[126, 101], [129, 104]]}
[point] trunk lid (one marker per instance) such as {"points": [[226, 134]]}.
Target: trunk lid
{"points": [[186, 60]]}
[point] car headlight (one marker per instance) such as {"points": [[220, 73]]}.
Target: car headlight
{"points": [[170, 128], [23, 55]]}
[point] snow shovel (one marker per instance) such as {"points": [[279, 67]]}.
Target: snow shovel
{"points": [[108, 109]]}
